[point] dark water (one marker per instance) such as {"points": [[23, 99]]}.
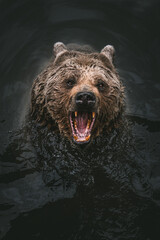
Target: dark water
{"points": [[48, 189]]}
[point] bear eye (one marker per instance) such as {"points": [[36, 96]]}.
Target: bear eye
{"points": [[70, 82], [100, 85]]}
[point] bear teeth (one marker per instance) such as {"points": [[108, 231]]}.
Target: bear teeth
{"points": [[81, 125]]}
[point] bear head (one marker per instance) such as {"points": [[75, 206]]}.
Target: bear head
{"points": [[79, 93]]}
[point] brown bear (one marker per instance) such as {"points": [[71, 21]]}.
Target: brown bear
{"points": [[79, 93]]}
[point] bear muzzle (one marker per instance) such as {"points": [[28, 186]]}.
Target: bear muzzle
{"points": [[83, 118]]}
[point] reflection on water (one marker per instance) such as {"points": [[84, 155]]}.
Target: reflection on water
{"points": [[50, 190]]}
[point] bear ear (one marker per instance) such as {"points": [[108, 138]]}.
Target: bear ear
{"points": [[59, 48], [109, 52]]}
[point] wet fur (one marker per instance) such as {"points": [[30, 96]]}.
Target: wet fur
{"points": [[52, 100]]}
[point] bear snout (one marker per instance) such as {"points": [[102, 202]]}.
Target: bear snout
{"points": [[85, 100]]}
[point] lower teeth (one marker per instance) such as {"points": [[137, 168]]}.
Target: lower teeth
{"points": [[87, 138]]}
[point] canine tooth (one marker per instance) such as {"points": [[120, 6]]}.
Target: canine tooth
{"points": [[93, 114], [75, 114], [75, 137], [87, 138]]}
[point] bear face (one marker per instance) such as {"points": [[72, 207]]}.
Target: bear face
{"points": [[80, 93]]}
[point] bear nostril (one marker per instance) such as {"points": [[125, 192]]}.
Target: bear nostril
{"points": [[85, 99]]}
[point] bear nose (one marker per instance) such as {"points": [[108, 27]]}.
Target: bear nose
{"points": [[85, 99]]}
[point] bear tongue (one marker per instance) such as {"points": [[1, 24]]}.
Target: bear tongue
{"points": [[82, 121]]}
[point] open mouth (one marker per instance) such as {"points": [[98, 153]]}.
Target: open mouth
{"points": [[82, 124]]}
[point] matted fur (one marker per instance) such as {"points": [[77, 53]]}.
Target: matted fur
{"points": [[52, 100]]}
